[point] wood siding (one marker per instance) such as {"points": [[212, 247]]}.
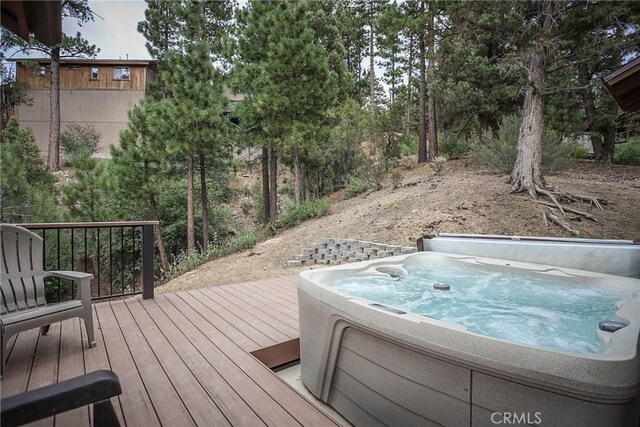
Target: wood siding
{"points": [[80, 78]]}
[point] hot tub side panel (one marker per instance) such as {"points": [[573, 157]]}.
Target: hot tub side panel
{"points": [[373, 381]]}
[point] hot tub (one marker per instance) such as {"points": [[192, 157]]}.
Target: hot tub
{"points": [[378, 364]]}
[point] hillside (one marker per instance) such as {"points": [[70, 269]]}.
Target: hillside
{"points": [[462, 198]]}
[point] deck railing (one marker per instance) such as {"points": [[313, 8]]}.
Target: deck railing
{"points": [[120, 255]]}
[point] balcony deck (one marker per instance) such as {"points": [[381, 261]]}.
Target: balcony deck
{"points": [[182, 358]]}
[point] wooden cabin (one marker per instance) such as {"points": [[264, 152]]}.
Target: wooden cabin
{"points": [[98, 92]]}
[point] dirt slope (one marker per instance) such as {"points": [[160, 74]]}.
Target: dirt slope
{"points": [[462, 198]]}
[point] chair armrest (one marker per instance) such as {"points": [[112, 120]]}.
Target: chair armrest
{"points": [[57, 398], [83, 280], [70, 275]]}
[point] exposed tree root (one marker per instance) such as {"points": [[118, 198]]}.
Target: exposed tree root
{"points": [[575, 211], [551, 215], [556, 211]]}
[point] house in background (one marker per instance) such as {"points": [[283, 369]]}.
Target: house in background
{"points": [[99, 92]]}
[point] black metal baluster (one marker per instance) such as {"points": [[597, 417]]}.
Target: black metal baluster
{"points": [[58, 279], [110, 263], [44, 251], [122, 257], [86, 256], [133, 256], [98, 258], [73, 267]]}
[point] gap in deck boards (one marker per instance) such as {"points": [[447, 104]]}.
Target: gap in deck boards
{"points": [[284, 358], [279, 356]]}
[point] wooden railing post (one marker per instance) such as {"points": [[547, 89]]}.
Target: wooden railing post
{"points": [[147, 261]]}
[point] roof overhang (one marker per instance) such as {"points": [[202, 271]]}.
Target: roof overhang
{"points": [[624, 85], [88, 61], [42, 18]]}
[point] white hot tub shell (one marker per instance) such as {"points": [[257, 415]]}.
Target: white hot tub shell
{"points": [[380, 366]]}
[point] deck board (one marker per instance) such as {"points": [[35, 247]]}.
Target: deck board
{"points": [[182, 358], [71, 366]]}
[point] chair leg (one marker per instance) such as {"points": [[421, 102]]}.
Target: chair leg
{"points": [[44, 330], [88, 324], [104, 415], [3, 356]]}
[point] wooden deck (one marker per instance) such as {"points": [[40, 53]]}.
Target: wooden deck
{"points": [[182, 358]]}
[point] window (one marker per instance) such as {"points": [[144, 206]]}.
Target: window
{"points": [[73, 67], [121, 73], [40, 71], [95, 73]]}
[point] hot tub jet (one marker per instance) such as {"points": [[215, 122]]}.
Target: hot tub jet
{"points": [[441, 287]]}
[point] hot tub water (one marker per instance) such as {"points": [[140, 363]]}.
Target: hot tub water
{"points": [[536, 310]]}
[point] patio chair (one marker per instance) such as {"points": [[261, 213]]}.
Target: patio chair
{"points": [[95, 388], [22, 289]]}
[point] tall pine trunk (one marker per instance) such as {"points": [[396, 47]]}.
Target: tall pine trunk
{"points": [[422, 124], [527, 172], [602, 137], [53, 158], [266, 194], [297, 178], [372, 80], [204, 201], [432, 147], [608, 145], [273, 184], [191, 243], [407, 130], [153, 204]]}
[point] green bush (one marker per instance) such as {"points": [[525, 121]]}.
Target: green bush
{"points": [[628, 153], [27, 187], [408, 145], [187, 261], [501, 151], [356, 185], [76, 138], [453, 148], [258, 202], [312, 208], [396, 178]]}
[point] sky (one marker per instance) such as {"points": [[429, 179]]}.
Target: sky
{"points": [[114, 30]]}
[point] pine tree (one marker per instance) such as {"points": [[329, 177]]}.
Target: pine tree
{"points": [[71, 46], [187, 37], [138, 166], [84, 196], [287, 69], [27, 187]]}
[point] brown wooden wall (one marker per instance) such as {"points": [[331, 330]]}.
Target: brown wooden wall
{"points": [[81, 78]]}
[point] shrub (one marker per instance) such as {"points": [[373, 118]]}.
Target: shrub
{"points": [[396, 178], [408, 145], [312, 208], [377, 173], [76, 138], [187, 261], [628, 153], [453, 148], [501, 151], [356, 185]]}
